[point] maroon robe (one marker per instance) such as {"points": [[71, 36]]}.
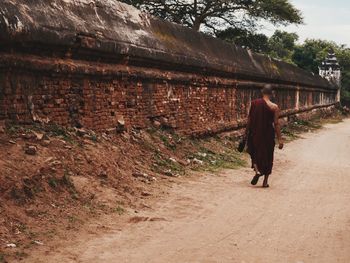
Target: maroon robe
{"points": [[261, 136]]}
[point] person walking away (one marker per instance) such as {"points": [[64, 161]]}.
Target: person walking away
{"points": [[262, 126]]}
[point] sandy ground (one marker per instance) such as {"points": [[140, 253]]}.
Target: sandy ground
{"points": [[303, 217]]}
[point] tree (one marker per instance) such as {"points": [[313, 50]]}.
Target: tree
{"points": [[246, 39], [312, 52], [214, 15], [343, 55], [282, 45]]}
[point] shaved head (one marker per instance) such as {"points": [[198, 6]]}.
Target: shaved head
{"points": [[267, 90]]}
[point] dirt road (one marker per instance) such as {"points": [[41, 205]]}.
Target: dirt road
{"points": [[303, 217]]}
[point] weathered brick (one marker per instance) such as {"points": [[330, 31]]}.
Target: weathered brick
{"points": [[199, 85]]}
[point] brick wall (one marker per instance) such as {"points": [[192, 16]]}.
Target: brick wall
{"points": [[136, 71], [192, 104]]}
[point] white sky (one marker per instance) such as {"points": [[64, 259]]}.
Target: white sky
{"points": [[324, 19]]}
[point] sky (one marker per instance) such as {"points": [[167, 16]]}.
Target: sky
{"points": [[324, 19]]}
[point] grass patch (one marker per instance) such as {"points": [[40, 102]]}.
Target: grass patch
{"points": [[168, 137], [119, 210], [14, 129], [210, 153], [213, 161], [65, 181], [164, 164], [59, 131], [52, 181], [166, 140], [297, 127], [226, 161]]}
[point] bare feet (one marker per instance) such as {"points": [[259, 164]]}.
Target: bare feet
{"points": [[266, 181]]}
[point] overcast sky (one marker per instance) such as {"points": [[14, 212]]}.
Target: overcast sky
{"points": [[325, 19]]}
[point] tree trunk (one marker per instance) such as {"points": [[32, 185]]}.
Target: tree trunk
{"points": [[196, 24]]}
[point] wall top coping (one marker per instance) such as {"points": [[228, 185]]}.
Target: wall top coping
{"points": [[118, 33]]}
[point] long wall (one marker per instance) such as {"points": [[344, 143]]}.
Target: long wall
{"points": [[99, 63]]}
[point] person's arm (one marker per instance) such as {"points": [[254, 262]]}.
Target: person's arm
{"points": [[278, 128]]}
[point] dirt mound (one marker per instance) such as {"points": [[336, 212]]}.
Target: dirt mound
{"points": [[54, 179]]}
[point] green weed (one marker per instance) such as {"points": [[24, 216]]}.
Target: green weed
{"points": [[119, 210], [52, 181]]}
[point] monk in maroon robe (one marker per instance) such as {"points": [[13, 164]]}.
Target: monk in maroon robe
{"points": [[263, 124]]}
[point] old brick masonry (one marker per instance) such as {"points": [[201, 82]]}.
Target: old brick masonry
{"points": [[97, 77]]}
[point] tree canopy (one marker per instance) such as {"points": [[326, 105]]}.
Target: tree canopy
{"points": [[312, 52], [256, 42], [214, 15], [282, 45], [237, 21]]}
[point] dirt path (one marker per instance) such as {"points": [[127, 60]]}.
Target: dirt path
{"points": [[303, 217]]}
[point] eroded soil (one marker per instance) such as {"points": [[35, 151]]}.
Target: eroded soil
{"points": [[303, 217]]}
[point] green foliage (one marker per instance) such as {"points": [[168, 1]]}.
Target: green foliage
{"points": [[345, 93], [59, 131], [163, 164], [237, 20], [52, 181], [312, 52], [343, 55], [295, 128], [166, 140], [214, 161], [210, 15], [246, 39], [119, 210], [282, 44]]}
